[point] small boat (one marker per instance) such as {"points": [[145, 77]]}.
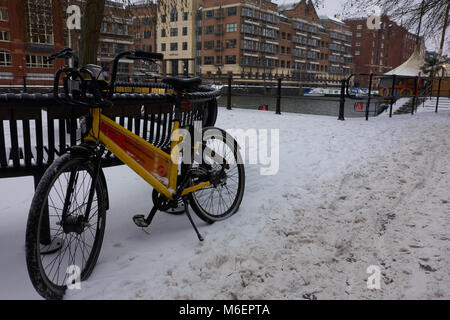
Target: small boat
{"points": [[314, 92], [333, 92]]}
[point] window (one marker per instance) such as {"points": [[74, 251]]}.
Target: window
{"points": [[40, 22], [185, 45], [5, 58], [219, 60], [185, 31], [232, 11], [173, 15], [358, 35], [146, 21], [4, 15], [209, 14], [120, 29], [123, 68], [147, 48], [38, 62], [359, 27], [357, 53], [358, 44], [208, 60], [163, 18], [173, 32], [104, 47], [147, 34], [231, 27], [5, 36], [230, 43], [230, 59], [174, 46], [247, 12], [163, 47], [209, 29], [208, 45], [119, 48], [163, 33], [185, 16]]}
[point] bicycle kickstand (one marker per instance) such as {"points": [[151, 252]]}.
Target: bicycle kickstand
{"points": [[186, 206], [143, 222]]}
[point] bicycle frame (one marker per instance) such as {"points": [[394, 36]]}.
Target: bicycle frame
{"points": [[156, 167]]}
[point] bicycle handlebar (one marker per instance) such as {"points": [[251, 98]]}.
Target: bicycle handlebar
{"points": [[64, 53], [134, 55], [75, 73]]}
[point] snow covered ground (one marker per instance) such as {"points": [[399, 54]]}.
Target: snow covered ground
{"points": [[348, 195]]}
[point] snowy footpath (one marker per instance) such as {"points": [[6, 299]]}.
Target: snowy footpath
{"points": [[348, 195]]}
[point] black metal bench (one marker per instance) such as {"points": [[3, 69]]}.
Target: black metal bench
{"points": [[35, 129]]}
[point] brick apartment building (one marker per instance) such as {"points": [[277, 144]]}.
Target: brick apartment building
{"points": [[30, 30], [177, 37], [379, 51], [258, 40], [339, 43], [144, 15]]}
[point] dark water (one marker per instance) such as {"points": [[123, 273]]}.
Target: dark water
{"points": [[327, 106]]}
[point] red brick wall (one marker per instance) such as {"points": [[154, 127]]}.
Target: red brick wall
{"points": [[396, 46], [17, 45]]}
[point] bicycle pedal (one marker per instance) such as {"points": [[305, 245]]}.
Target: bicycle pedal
{"points": [[139, 220]]}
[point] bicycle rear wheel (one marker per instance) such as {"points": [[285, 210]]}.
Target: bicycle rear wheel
{"points": [[62, 248], [223, 162]]}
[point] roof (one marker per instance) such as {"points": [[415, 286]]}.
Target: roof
{"points": [[333, 19], [411, 67], [285, 5]]}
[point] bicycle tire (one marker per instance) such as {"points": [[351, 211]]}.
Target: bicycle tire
{"points": [[208, 213], [46, 287]]}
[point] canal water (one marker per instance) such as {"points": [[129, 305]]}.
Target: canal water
{"points": [[327, 106]]}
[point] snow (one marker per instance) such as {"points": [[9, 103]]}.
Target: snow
{"points": [[348, 195]]}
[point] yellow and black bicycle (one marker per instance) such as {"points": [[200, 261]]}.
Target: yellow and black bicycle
{"points": [[66, 222]]}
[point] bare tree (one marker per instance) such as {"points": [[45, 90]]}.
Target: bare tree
{"points": [[90, 30], [428, 17]]}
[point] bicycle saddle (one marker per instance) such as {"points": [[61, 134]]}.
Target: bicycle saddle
{"points": [[183, 84]]}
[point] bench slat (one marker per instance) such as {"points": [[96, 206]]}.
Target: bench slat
{"points": [[3, 161], [27, 142], [39, 141], [145, 127], [51, 138], [15, 152]]}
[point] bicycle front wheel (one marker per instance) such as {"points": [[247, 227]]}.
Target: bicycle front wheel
{"points": [[62, 246]]}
